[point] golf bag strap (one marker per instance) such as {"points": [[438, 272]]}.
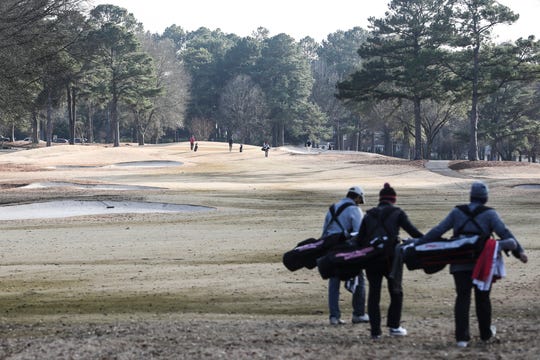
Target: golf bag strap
{"points": [[335, 214], [471, 217], [380, 222]]}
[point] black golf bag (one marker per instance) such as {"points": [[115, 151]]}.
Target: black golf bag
{"points": [[306, 253]]}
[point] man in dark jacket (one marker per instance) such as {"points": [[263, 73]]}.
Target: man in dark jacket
{"points": [[485, 222], [391, 218]]}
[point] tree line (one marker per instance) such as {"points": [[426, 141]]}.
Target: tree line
{"points": [[428, 80]]}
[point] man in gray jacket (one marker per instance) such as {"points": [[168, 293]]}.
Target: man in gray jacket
{"points": [[474, 218]]}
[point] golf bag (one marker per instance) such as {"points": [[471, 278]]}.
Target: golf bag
{"points": [[347, 262], [433, 256], [462, 248], [306, 252]]}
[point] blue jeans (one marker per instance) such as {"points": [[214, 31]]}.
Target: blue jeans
{"points": [[358, 297]]}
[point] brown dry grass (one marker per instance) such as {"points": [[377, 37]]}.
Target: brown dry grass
{"points": [[212, 285]]}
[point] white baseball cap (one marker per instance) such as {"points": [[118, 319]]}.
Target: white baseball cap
{"points": [[358, 191]]}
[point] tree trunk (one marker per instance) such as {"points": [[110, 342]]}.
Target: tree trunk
{"points": [[109, 126], [71, 104], [71, 120], [358, 131], [139, 129], [282, 131], [339, 140], [49, 118], [114, 120], [140, 137], [35, 127], [90, 122], [473, 126], [406, 143], [73, 112], [417, 130], [387, 138]]}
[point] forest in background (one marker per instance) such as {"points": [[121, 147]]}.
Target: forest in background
{"points": [[426, 81]]}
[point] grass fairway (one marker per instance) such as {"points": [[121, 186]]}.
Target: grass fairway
{"points": [[211, 284]]}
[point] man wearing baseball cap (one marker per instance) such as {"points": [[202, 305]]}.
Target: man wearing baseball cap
{"points": [[345, 217]]}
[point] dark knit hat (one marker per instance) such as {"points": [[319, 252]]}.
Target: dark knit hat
{"points": [[387, 193], [479, 192]]}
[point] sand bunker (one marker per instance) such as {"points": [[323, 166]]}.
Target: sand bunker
{"points": [[528, 187], [67, 208], [150, 163], [143, 164], [53, 184]]}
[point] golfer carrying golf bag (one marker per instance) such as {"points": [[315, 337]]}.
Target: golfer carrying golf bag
{"points": [[474, 218], [344, 217], [381, 225]]}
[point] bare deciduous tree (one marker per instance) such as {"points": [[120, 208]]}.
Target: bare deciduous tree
{"points": [[243, 109]]}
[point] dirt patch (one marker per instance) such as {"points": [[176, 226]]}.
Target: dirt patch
{"points": [[230, 337], [465, 164]]}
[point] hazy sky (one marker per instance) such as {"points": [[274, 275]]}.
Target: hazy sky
{"points": [[298, 18]]}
